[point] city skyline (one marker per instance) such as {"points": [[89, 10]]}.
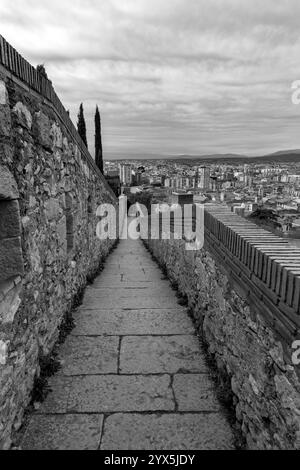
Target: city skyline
{"points": [[170, 78]]}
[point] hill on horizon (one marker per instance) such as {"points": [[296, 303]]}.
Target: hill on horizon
{"points": [[282, 156]]}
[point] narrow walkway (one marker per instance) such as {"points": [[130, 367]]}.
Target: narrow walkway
{"points": [[133, 375]]}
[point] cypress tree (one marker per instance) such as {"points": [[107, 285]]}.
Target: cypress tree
{"points": [[98, 141], [81, 126]]}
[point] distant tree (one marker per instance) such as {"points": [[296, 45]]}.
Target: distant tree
{"points": [[264, 216], [81, 126], [98, 141]]}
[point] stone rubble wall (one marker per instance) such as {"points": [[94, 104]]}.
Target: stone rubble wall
{"points": [[49, 193], [247, 351]]}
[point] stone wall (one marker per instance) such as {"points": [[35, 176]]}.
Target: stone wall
{"points": [[50, 189], [253, 353]]}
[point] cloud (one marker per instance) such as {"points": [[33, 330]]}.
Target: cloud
{"points": [[171, 76]]}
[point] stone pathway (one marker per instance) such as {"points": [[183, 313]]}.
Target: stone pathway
{"points": [[133, 375]]}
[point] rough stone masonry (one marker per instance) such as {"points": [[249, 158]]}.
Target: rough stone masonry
{"points": [[48, 197], [264, 383]]}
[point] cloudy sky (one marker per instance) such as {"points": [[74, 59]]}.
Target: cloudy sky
{"points": [[170, 76]]}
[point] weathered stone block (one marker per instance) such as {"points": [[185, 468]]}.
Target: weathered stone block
{"points": [[11, 258], [57, 136], [133, 322], [86, 355], [104, 394], [5, 118], [70, 241], [42, 128], [3, 352], [149, 355], [7, 286], [3, 94], [167, 431], [10, 226], [8, 186], [23, 115], [61, 230], [52, 209], [69, 432], [195, 392], [6, 153], [10, 304]]}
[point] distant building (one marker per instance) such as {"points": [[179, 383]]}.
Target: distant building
{"points": [[193, 183], [137, 178], [112, 173], [238, 208], [284, 178], [213, 184], [125, 173], [248, 181], [204, 178], [167, 183], [261, 191], [182, 198], [113, 179]]}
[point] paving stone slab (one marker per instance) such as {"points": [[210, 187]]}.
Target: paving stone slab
{"points": [[160, 354], [133, 270], [132, 322], [123, 292], [126, 276], [132, 266], [123, 253], [115, 283], [110, 393], [132, 260], [86, 355], [167, 432], [63, 432], [195, 393], [118, 281], [150, 276], [124, 288], [56, 401], [124, 295], [139, 300]]}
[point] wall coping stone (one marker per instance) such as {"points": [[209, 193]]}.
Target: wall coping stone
{"points": [[266, 265]]}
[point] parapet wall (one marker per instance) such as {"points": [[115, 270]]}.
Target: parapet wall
{"points": [[50, 189], [243, 291]]}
